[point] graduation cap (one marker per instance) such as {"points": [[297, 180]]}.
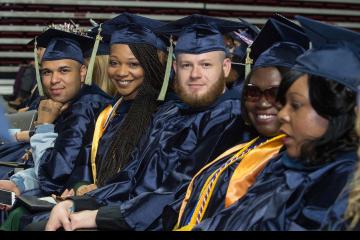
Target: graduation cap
{"points": [[104, 47], [245, 37], [335, 53], [199, 34], [65, 45], [277, 29], [128, 28], [280, 54], [65, 30]]}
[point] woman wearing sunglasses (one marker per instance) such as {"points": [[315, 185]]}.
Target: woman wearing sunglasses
{"points": [[226, 179], [297, 188]]}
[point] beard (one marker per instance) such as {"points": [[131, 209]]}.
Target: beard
{"points": [[204, 100]]}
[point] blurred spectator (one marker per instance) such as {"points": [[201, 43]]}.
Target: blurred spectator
{"points": [[24, 84]]}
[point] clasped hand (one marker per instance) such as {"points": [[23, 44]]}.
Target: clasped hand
{"points": [[49, 110], [61, 216]]}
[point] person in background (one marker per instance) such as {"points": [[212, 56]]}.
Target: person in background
{"points": [[27, 83], [238, 42]]}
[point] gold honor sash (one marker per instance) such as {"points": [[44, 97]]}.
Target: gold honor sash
{"points": [[98, 132], [251, 163]]}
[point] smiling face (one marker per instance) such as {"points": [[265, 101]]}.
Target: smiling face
{"points": [[298, 118], [125, 71], [62, 79], [200, 78], [262, 113]]}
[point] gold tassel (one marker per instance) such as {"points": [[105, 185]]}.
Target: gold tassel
{"points": [[165, 84], [88, 79], [37, 71], [248, 62]]}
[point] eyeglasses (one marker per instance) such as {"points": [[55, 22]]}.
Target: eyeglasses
{"points": [[254, 93]]}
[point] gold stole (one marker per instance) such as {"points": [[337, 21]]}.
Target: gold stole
{"points": [[249, 168], [98, 132], [243, 177]]}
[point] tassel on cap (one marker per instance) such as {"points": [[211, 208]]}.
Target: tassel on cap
{"points": [[37, 71], [248, 62], [165, 84], [88, 79]]}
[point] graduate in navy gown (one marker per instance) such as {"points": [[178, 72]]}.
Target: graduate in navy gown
{"points": [[297, 188], [65, 121], [185, 134], [226, 179], [136, 68]]}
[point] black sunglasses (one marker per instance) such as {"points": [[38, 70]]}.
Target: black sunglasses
{"points": [[254, 93]]}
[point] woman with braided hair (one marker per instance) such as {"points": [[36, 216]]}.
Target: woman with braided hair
{"points": [[136, 68]]}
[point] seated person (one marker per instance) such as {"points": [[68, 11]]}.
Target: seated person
{"points": [[27, 81], [20, 150], [225, 180], [139, 60], [65, 120], [296, 189]]}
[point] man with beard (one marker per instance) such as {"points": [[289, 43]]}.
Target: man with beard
{"points": [[186, 132]]}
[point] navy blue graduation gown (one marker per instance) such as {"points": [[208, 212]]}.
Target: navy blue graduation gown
{"points": [[217, 202], [13, 151], [115, 122], [179, 142], [335, 217], [68, 162], [103, 146], [287, 196]]}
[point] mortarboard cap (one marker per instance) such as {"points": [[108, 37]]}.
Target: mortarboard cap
{"points": [[280, 54], [245, 37], [277, 29], [129, 28], [63, 31], [199, 34], [65, 45], [335, 53]]}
